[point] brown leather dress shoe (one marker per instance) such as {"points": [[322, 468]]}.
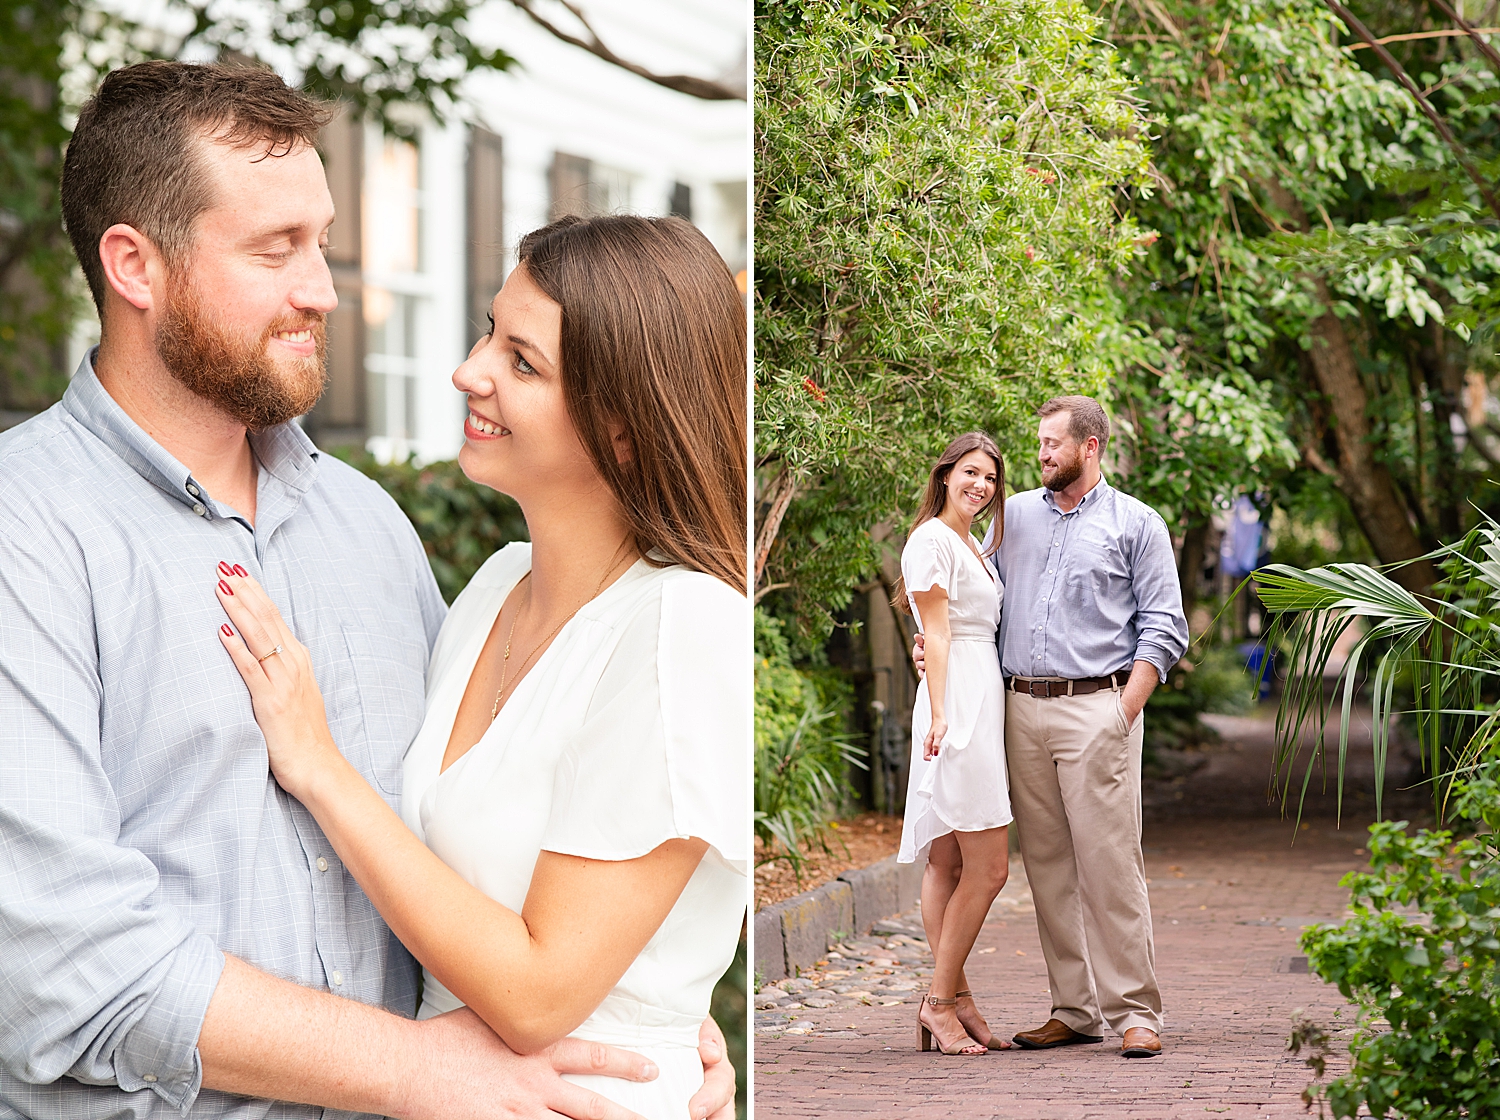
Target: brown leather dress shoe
{"points": [[1141, 1042], [1054, 1033]]}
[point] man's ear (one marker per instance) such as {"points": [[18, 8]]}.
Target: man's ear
{"points": [[619, 439], [132, 265]]}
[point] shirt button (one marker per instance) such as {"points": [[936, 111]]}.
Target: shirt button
{"points": [[322, 864], [198, 509], [150, 1077], [338, 979], [1049, 571], [193, 490]]}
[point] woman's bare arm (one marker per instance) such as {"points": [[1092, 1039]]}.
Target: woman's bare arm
{"points": [[932, 607], [532, 976]]}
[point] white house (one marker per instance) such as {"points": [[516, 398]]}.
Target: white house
{"points": [[427, 229]]}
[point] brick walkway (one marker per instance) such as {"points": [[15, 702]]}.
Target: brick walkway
{"points": [[1229, 893]]}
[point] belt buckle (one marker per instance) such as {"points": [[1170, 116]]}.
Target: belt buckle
{"points": [[1045, 694]]}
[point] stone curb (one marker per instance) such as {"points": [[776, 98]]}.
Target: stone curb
{"points": [[794, 934]]}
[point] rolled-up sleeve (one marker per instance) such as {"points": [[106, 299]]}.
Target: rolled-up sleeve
{"points": [[99, 980], [1161, 626]]}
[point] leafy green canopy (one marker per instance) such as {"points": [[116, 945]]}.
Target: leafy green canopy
{"points": [[935, 240], [1322, 258]]}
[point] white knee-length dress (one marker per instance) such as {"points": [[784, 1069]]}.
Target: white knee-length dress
{"points": [[965, 788]]}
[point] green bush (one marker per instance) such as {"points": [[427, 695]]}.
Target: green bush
{"points": [[801, 750], [1427, 984], [461, 523]]}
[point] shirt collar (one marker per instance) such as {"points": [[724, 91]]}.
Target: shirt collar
{"points": [[1092, 497], [285, 451]]}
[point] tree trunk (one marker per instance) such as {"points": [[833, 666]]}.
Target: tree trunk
{"points": [[1361, 477], [779, 499], [1443, 370], [1190, 563]]}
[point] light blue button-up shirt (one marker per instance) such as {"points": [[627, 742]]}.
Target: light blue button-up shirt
{"points": [[141, 834], [1089, 591]]}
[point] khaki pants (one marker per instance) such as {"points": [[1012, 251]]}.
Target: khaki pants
{"points": [[1075, 788]]}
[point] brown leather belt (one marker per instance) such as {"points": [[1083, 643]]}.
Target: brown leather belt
{"points": [[1046, 689]]}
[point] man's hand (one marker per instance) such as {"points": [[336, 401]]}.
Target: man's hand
{"points": [[715, 1099], [469, 1072], [1137, 690], [919, 654], [266, 1037]]}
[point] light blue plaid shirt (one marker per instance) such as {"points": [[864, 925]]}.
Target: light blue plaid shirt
{"points": [[141, 835], [1089, 591]]}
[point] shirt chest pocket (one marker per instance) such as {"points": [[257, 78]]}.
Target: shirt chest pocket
{"points": [[1096, 560], [381, 713]]}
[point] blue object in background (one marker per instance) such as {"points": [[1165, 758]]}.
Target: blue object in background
{"points": [[1239, 550], [1261, 662]]}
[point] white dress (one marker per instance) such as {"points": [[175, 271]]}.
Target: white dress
{"points": [[632, 728], [965, 788]]}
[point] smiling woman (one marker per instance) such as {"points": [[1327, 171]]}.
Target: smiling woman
{"points": [[592, 882], [957, 801]]}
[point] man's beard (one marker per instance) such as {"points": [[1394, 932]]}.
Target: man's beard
{"points": [[237, 377], [1066, 474]]}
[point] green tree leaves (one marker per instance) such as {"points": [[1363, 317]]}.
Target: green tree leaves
{"points": [[935, 239]]}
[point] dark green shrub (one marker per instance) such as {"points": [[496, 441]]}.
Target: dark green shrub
{"points": [[1427, 984], [461, 523], [802, 753]]}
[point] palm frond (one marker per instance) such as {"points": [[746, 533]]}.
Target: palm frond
{"points": [[1444, 647]]}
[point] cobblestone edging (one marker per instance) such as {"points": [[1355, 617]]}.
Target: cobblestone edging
{"points": [[880, 964], [792, 936]]}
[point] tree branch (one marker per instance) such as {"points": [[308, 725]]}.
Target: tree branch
{"points": [[783, 489], [1443, 33], [1472, 32], [1438, 123], [701, 88]]}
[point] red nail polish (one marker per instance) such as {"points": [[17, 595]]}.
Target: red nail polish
{"points": [[225, 569], [239, 571], [224, 587], [228, 633]]}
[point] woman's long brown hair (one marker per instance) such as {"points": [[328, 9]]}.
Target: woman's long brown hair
{"points": [[653, 338], [935, 497]]}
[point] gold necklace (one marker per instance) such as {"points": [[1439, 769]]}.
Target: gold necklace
{"points": [[505, 657]]}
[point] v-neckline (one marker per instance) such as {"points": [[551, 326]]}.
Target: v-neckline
{"points": [[967, 540], [510, 704]]}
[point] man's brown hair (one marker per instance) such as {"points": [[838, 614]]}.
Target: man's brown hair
{"points": [[653, 338], [134, 156], [1085, 417]]}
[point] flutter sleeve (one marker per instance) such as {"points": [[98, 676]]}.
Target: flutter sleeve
{"points": [[929, 560], [664, 751]]}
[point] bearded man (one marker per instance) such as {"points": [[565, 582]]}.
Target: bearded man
{"points": [[1093, 621], [178, 936]]}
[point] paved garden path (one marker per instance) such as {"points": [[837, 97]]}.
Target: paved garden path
{"points": [[1229, 893]]}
